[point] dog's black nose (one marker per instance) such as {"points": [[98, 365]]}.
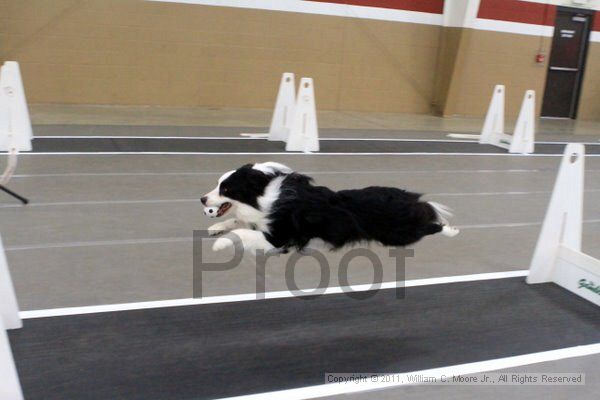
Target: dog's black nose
{"points": [[203, 200]]}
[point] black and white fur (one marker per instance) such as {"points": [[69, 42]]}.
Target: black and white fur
{"points": [[278, 209]]}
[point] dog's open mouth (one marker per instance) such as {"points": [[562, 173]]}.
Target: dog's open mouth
{"points": [[223, 208]]}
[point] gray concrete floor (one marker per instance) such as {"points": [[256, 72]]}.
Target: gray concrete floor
{"points": [[110, 229]]}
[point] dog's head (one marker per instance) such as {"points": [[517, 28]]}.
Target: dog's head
{"points": [[243, 186]]}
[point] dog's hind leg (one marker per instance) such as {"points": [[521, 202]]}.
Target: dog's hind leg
{"points": [[431, 229], [450, 231], [445, 230]]}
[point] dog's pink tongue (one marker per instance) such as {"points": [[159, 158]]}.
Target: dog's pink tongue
{"points": [[223, 209]]}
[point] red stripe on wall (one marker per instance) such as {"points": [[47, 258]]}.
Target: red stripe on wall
{"points": [[428, 6], [517, 11], [596, 26]]}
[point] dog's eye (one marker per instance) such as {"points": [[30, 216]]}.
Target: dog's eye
{"points": [[224, 190]]}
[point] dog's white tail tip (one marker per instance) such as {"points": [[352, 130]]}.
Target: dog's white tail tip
{"points": [[443, 212]]}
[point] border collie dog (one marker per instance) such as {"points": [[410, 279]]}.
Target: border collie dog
{"points": [[277, 209]]}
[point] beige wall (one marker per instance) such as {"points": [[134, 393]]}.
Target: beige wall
{"points": [[485, 58], [134, 52], [488, 58], [450, 44], [589, 102], [149, 53]]}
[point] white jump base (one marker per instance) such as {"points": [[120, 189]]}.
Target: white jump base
{"points": [[578, 273]]}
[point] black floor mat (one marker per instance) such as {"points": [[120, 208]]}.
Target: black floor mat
{"points": [[93, 145], [220, 350]]}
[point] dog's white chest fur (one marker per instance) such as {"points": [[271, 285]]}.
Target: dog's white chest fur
{"points": [[252, 216], [259, 218]]}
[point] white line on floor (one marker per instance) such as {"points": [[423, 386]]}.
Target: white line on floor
{"points": [[162, 153], [329, 139], [349, 172], [92, 174], [514, 224], [96, 243], [197, 200], [125, 242], [151, 137], [499, 193], [402, 379], [361, 139], [53, 312], [102, 202]]}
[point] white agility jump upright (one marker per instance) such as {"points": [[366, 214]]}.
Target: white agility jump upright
{"points": [[284, 108], [294, 119], [558, 257], [493, 127], [9, 309], [15, 125], [10, 387], [523, 139], [304, 131]]}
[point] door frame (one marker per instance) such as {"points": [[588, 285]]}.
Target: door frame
{"points": [[583, 56]]}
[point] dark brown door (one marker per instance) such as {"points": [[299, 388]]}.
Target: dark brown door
{"points": [[567, 61]]}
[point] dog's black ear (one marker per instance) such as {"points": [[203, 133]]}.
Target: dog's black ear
{"points": [[247, 166], [301, 179], [257, 178]]}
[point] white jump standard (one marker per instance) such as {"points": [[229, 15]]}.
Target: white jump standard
{"points": [[304, 131], [558, 257], [523, 139], [284, 109], [10, 388], [294, 119], [493, 126], [15, 125]]}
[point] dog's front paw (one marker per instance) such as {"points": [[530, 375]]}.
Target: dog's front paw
{"points": [[216, 229], [222, 244]]}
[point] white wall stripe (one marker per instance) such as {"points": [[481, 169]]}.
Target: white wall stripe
{"points": [[310, 7], [513, 27], [589, 4], [376, 13], [55, 312]]}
